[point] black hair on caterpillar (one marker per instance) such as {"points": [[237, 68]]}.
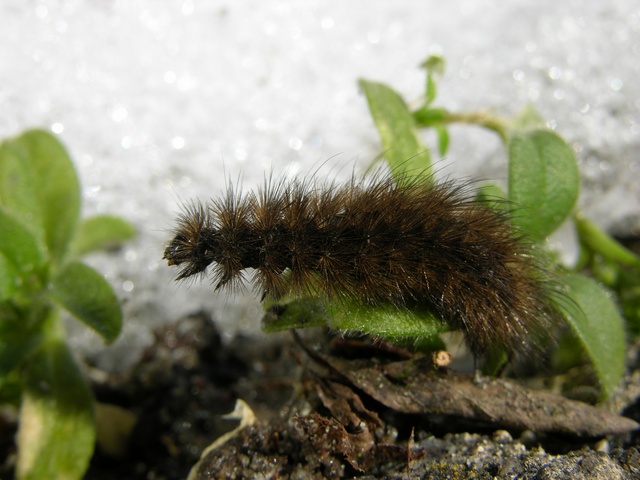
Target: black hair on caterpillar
{"points": [[375, 241]]}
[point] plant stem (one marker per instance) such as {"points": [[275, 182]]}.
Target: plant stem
{"points": [[430, 117], [600, 242], [483, 119]]}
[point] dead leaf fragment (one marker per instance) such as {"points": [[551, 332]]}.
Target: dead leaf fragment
{"points": [[405, 387]]}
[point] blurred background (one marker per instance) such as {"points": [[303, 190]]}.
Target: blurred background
{"points": [[161, 102]]}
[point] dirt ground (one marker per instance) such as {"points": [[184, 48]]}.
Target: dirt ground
{"points": [[323, 407]]}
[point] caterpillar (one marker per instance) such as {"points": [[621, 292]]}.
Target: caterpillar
{"points": [[376, 240]]}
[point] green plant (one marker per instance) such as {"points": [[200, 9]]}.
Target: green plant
{"points": [[41, 236], [544, 185]]}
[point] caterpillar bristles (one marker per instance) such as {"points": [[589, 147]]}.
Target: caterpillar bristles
{"points": [[375, 241]]}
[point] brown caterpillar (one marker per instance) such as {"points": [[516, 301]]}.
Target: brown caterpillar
{"points": [[407, 242]]}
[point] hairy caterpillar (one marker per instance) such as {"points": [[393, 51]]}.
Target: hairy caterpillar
{"points": [[378, 240]]}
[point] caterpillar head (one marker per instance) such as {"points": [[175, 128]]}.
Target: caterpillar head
{"points": [[193, 258], [193, 246]]}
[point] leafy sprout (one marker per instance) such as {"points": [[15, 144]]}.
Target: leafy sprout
{"points": [[41, 237], [544, 185]]}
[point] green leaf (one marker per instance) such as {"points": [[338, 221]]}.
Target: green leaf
{"points": [[101, 232], [628, 289], [15, 347], [301, 313], [38, 185], [387, 321], [402, 147], [56, 436], [528, 119], [491, 192], [18, 337], [18, 246], [595, 321], [9, 278], [10, 389], [543, 181], [494, 361], [494, 196], [434, 64], [88, 296]]}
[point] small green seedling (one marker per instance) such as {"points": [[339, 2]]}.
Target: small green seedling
{"points": [[544, 185], [41, 237]]}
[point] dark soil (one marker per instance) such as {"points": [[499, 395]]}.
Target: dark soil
{"points": [[313, 422], [342, 408]]}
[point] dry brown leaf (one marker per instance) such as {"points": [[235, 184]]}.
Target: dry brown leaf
{"points": [[408, 387]]}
